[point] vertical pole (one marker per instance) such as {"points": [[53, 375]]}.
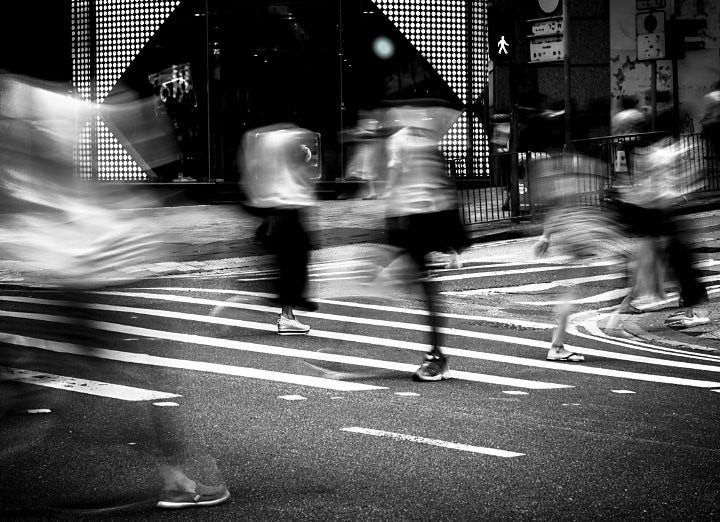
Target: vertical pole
{"points": [[653, 94], [470, 113], [208, 72], [675, 85], [566, 73], [514, 170], [341, 53], [92, 32]]}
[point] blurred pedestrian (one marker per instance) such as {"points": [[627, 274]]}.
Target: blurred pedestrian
{"points": [[367, 152], [83, 243], [645, 209], [275, 179], [576, 228], [711, 120], [422, 208]]}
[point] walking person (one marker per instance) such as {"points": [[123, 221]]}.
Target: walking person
{"points": [[576, 229], [422, 208], [366, 160], [274, 177]]}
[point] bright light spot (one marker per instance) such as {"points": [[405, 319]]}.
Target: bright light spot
{"points": [[383, 47]]}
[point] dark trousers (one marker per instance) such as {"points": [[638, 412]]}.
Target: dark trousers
{"points": [[289, 241], [658, 223]]}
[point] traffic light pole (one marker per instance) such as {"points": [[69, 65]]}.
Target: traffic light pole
{"points": [[566, 74]]}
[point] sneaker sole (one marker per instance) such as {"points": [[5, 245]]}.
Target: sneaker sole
{"points": [[295, 333], [166, 504], [439, 377]]}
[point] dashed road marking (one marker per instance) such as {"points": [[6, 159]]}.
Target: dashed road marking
{"points": [[434, 442], [73, 384]]}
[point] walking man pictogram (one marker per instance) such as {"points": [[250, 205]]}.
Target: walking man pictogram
{"points": [[503, 45]]}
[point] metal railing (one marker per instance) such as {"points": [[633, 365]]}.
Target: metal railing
{"points": [[486, 198]]}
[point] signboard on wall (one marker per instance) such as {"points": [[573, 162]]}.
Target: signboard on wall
{"points": [[650, 30]]}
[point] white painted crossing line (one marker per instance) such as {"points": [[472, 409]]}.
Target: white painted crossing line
{"points": [[89, 387], [501, 338], [433, 442], [268, 349], [380, 341], [223, 369], [500, 273], [537, 287], [507, 321]]}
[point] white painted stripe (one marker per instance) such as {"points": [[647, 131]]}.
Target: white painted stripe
{"points": [[612, 295], [387, 342], [623, 392], [281, 351], [433, 442], [537, 287], [151, 360], [73, 384], [509, 321], [590, 323], [378, 322], [500, 273], [379, 341]]}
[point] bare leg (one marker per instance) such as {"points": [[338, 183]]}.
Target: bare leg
{"points": [[557, 350]]}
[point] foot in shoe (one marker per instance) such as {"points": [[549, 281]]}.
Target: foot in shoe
{"points": [[559, 353], [435, 368], [288, 326]]}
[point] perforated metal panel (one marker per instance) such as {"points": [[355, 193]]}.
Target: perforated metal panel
{"points": [[107, 35]]}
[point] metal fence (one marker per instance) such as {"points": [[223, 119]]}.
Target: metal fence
{"points": [[487, 199]]}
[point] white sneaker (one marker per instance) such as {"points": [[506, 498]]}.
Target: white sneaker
{"points": [[687, 322], [291, 326]]}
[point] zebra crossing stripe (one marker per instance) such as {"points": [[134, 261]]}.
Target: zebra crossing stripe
{"points": [[433, 442], [510, 321], [73, 384], [151, 360], [379, 341], [507, 339], [537, 287], [251, 347]]}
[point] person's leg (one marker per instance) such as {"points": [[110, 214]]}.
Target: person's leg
{"points": [[292, 249], [435, 366], [557, 350], [692, 290]]}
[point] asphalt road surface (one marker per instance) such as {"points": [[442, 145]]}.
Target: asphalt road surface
{"points": [[330, 426]]}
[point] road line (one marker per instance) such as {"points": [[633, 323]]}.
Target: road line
{"points": [[507, 339], [73, 384], [165, 362], [380, 341], [522, 341], [612, 295], [433, 442], [276, 350], [500, 273], [382, 308], [537, 287]]}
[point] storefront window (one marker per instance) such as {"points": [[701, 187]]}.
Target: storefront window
{"points": [[218, 68]]}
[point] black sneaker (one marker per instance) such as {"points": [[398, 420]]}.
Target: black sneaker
{"points": [[202, 496], [435, 368]]}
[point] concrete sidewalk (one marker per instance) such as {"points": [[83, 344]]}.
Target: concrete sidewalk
{"points": [[653, 326]]}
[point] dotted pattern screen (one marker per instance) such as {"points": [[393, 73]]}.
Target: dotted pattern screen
{"points": [[119, 31]]}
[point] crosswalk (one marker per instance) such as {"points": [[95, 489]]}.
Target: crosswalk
{"points": [[356, 340]]}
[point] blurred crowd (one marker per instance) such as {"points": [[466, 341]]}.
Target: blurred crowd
{"points": [[74, 228]]}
